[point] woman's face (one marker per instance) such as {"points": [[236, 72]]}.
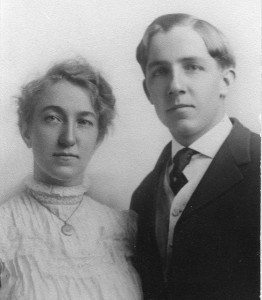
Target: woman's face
{"points": [[63, 134]]}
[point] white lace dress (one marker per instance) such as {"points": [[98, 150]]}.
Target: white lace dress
{"points": [[39, 262]]}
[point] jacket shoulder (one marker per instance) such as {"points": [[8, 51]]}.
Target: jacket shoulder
{"points": [[255, 145], [244, 144], [145, 191]]}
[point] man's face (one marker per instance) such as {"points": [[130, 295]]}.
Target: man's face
{"points": [[185, 84]]}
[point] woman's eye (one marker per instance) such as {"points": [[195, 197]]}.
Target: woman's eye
{"points": [[85, 122], [52, 119]]}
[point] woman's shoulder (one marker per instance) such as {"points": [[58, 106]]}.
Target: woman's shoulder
{"points": [[109, 209], [10, 204], [128, 217], [17, 199], [125, 220], [14, 212], [119, 222]]}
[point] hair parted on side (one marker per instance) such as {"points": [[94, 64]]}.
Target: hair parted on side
{"points": [[215, 41], [80, 73]]}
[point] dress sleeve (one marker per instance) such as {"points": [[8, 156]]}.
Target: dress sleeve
{"points": [[129, 227], [132, 225], [2, 266], [6, 282], [9, 240], [8, 246]]}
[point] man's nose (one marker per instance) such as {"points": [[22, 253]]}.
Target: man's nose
{"points": [[67, 136], [176, 84]]}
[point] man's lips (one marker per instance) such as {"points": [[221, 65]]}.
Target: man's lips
{"points": [[178, 106], [65, 155]]}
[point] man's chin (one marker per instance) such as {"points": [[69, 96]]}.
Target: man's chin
{"points": [[183, 127], [184, 132]]}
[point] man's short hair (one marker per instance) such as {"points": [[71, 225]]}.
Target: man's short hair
{"points": [[215, 41]]}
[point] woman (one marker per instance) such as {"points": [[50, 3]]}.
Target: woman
{"points": [[56, 242]]}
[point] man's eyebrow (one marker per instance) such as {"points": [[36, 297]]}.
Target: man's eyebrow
{"points": [[192, 59], [182, 59], [156, 63]]}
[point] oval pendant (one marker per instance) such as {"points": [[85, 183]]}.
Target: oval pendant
{"points": [[67, 229]]}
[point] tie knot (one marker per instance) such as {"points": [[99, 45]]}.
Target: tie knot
{"points": [[182, 158]]}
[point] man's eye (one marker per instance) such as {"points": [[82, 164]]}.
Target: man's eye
{"points": [[193, 67], [159, 72]]}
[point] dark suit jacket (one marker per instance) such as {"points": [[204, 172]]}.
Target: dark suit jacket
{"points": [[216, 239]]}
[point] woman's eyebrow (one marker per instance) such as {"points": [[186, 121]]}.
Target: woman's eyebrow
{"points": [[60, 110], [54, 108], [87, 114]]}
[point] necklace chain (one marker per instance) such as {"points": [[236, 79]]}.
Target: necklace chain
{"points": [[65, 221]]}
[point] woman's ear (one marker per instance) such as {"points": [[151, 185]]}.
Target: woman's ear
{"points": [[146, 91], [26, 134], [228, 77]]}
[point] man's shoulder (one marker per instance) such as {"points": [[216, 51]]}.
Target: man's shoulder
{"points": [[255, 148], [160, 164], [255, 142], [244, 142], [147, 187]]}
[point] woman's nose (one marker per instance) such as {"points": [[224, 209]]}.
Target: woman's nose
{"points": [[67, 137]]}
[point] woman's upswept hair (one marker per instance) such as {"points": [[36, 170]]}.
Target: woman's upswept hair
{"points": [[79, 73], [216, 43]]}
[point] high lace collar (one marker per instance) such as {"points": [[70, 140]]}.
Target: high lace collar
{"points": [[54, 194]]}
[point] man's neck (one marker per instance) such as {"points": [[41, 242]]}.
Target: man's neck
{"points": [[186, 140]]}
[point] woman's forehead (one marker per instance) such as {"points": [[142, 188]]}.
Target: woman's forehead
{"points": [[65, 95]]}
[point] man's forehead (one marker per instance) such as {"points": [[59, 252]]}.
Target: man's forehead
{"points": [[185, 59], [174, 37], [180, 43]]}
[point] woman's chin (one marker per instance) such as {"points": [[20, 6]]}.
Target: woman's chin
{"points": [[61, 178]]}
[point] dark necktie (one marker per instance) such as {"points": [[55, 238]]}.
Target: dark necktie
{"points": [[180, 161]]}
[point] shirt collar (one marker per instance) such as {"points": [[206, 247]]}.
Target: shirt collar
{"points": [[209, 143]]}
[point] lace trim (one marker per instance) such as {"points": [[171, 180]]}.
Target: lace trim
{"points": [[50, 194]]}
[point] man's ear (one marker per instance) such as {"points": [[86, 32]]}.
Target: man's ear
{"points": [[146, 91], [228, 77], [26, 134]]}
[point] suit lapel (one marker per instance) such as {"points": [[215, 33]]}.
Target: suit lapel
{"points": [[224, 170], [162, 217], [157, 181]]}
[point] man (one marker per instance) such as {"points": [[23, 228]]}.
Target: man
{"points": [[198, 226]]}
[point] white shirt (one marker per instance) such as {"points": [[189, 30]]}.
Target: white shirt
{"points": [[207, 146]]}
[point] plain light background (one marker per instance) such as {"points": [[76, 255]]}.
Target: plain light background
{"points": [[35, 34]]}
